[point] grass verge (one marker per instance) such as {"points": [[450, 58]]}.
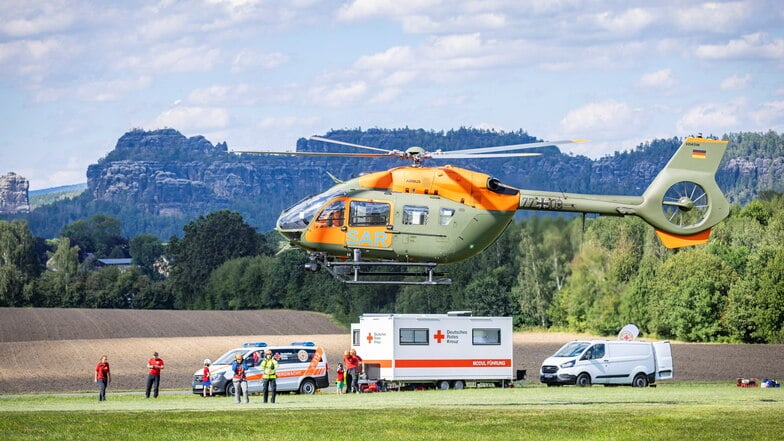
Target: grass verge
{"points": [[668, 412]]}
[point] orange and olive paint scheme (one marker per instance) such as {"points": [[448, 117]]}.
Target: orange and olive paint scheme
{"points": [[447, 214]]}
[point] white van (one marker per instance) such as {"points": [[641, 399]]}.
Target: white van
{"points": [[302, 368], [608, 362]]}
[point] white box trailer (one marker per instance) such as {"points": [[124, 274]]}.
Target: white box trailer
{"points": [[443, 350]]}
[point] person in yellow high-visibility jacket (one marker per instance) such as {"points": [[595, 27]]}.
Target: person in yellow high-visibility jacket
{"points": [[269, 381]]}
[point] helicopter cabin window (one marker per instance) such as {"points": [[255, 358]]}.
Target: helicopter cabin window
{"points": [[415, 215], [486, 336], [332, 216], [414, 336], [364, 213], [445, 216]]}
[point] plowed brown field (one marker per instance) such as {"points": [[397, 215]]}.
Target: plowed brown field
{"points": [[55, 350]]}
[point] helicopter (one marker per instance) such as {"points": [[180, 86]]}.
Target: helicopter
{"points": [[403, 222]]}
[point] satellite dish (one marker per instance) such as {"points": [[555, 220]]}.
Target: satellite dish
{"points": [[628, 333]]}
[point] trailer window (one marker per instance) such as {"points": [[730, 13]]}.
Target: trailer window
{"points": [[486, 336], [355, 337], [414, 336]]}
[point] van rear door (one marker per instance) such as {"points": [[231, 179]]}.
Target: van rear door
{"points": [[664, 368]]}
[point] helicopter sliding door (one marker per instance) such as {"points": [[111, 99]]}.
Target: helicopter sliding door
{"points": [[368, 222]]}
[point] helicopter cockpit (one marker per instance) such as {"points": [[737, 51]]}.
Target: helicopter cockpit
{"points": [[297, 217]]}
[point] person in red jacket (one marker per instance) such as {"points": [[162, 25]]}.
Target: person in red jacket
{"points": [[155, 365], [103, 376], [354, 367]]}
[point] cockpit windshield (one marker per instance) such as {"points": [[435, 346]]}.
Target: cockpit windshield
{"points": [[300, 214]]}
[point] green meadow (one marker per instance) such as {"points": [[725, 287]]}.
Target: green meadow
{"points": [[674, 411]]}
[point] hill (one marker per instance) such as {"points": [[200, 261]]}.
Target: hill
{"points": [[63, 345]]}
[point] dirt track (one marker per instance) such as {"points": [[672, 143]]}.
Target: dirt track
{"points": [[56, 349]]}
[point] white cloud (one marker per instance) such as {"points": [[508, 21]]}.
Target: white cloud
{"points": [[769, 116], [602, 116], [709, 118], [735, 82], [193, 119], [423, 24], [112, 90], [338, 95], [249, 60], [748, 47], [393, 58], [221, 95], [363, 9], [50, 19], [661, 79], [630, 21], [178, 59], [712, 16]]}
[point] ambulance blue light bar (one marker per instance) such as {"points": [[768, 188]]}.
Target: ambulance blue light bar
{"points": [[258, 344], [303, 343]]}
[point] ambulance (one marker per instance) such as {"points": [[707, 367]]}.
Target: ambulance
{"points": [[302, 368], [444, 351]]}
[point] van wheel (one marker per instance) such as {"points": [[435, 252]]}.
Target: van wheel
{"points": [[459, 385], [308, 387], [583, 380], [640, 380], [230, 391], [443, 385]]}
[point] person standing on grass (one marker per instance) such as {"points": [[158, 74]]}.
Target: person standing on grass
{"points": [[103, 376], [205, 378], [155, 365], [270, 380], [239, 379], [353, 369], [340, 378]]}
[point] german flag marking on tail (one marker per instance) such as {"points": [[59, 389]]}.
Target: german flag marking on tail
{"points": [[699, 154]]}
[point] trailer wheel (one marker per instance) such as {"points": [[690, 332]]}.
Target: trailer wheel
{"points": [[443, 385], [583, 380], [640, 380], [459, 385]]}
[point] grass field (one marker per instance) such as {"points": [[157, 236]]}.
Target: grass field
{"points": [[675, 411]]}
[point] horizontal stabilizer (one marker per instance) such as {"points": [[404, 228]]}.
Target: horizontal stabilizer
{"points": [[677, 241]]}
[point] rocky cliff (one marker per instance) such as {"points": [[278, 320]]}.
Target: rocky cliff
{"points": [[165, 175], [14, 194]]}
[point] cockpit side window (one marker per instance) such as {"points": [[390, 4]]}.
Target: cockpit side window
{"points": [[365, 213], [333, 215]]}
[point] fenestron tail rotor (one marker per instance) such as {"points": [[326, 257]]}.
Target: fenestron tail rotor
{"points": [[685, 204]]}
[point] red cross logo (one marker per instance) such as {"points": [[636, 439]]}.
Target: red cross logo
{"points": [[370, 338], [439, 336]]}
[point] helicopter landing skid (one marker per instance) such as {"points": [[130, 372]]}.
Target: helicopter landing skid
{"points": [[360, 272]]}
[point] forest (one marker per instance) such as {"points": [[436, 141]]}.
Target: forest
{"points": [[593, 275]]}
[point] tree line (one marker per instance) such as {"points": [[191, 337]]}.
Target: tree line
{"points": [[578, 274]]}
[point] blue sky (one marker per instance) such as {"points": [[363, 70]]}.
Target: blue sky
{"points": [[76, 75]]}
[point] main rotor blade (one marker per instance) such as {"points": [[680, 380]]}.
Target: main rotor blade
{"points": [[317, 138], [501, 148], [360, 155], [480, 156]]}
